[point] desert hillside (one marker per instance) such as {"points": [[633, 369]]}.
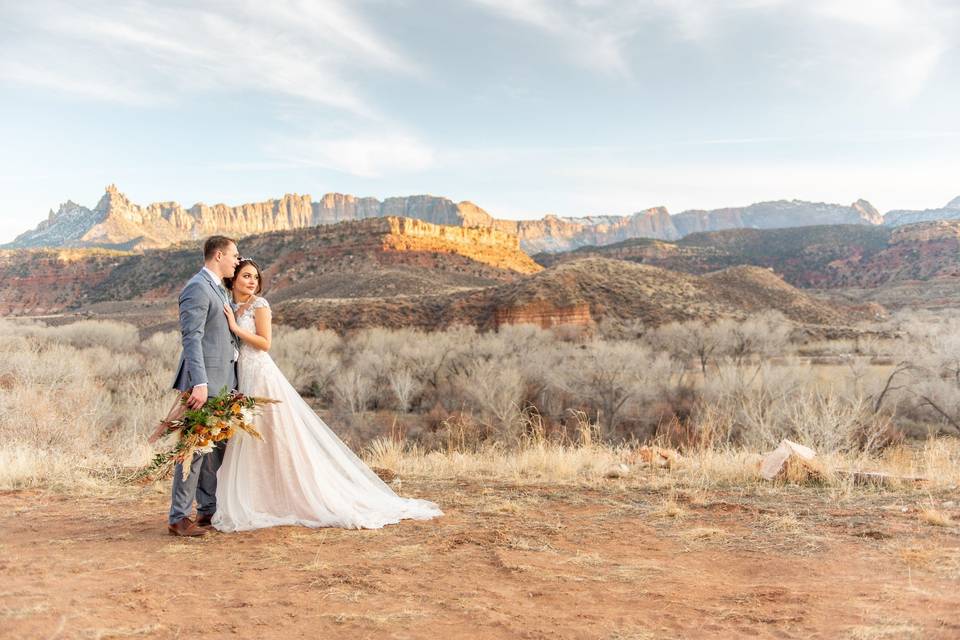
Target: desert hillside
{"points": [[824, 257], [578, 293], [378, 257]]}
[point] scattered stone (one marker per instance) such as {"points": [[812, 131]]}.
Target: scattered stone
{"points": [[792, 462], [657, 456], [619, 471]]}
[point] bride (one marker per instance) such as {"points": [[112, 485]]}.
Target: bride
{"points": [[301, 473]]}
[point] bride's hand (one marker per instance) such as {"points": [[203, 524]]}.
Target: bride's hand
{"points": [[231, 319]]}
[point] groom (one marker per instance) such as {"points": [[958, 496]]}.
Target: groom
{"points": [[207, 366]]}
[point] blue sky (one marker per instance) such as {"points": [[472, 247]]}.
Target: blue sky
{"points": [[525, 107]]}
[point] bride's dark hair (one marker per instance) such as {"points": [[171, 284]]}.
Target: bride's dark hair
{"points": [[228, 282]]}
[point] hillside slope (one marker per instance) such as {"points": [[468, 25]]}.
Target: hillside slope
{"points": [[833, 256], [381, 256], [579, 293]]}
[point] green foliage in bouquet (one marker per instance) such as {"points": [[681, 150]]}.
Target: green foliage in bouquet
{"points": [[198, 430]]}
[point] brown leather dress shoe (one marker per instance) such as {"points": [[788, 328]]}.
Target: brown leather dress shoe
{"points": [[204, 521], [186, 528]]}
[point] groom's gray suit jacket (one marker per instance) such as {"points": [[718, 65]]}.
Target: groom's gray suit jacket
{"points": [[209, 349]]}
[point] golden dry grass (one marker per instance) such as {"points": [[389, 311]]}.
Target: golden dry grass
{"points": [[934, 516], [936, 461]]}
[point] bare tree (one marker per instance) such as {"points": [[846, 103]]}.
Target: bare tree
{"points": [[761, 334], [308, 358], [494, 387], [353, 389], [611, 376], [686, 341], [405, 386], [935, 369]]}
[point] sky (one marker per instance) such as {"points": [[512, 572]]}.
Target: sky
{"points": [[524, 107]]}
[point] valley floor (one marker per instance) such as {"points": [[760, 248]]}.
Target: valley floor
{"points": [[617, 560]]}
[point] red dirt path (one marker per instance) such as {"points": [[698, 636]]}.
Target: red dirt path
{"points": [[505, 562]]}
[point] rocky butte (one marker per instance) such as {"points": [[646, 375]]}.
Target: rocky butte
{"points": [[345, 259], [776, 214], [116, 222], [902, 217], [553, 233]]}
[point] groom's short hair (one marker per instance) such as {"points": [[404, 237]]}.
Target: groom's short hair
{"points": [[214, 244]]}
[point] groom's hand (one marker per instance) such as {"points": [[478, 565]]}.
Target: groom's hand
{"points": [[198, 396]]}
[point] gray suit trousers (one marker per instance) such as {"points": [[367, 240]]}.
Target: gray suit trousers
{"points": [[201, 482]]}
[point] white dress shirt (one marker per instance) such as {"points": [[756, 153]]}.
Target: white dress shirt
{"points": [[216, 279]]}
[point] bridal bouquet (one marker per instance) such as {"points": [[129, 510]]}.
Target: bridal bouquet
{"points": [[200, 429]]}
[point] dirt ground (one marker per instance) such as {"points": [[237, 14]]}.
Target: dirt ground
{"points": [[617, 562]]}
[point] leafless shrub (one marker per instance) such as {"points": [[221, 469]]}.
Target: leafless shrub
{"points": [[404, 385], [763, 334], [89, 400], [611, 328], [308, 358], [493, 388], [830, 422], [353, 388], [612, 377], [115, 336], [758, 407], [929, 369], [162, 349], [688, 341], [747, 401]]}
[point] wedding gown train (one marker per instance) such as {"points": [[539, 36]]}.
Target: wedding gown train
{"points": [[301, 473]]}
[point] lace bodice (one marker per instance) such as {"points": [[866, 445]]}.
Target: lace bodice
{"points": [[246, 322], [245, 319]]}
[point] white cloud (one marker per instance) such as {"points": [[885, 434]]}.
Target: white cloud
{"points": [[887, 47], [60, 80], [141, 52], [891, 47], [366, 156], [594, 33]]}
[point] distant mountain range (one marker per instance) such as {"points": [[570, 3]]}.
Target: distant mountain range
{"points": [[820, 257], [399, 272], [117, 223]]}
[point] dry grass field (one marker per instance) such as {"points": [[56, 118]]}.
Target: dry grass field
{"points": [[553, 527]]}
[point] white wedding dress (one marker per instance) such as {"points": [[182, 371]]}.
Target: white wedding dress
{"points": [[301, 473]]}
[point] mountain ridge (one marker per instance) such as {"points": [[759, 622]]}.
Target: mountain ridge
{"points": [[822, 257], [900, 217], [116, 222]]}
